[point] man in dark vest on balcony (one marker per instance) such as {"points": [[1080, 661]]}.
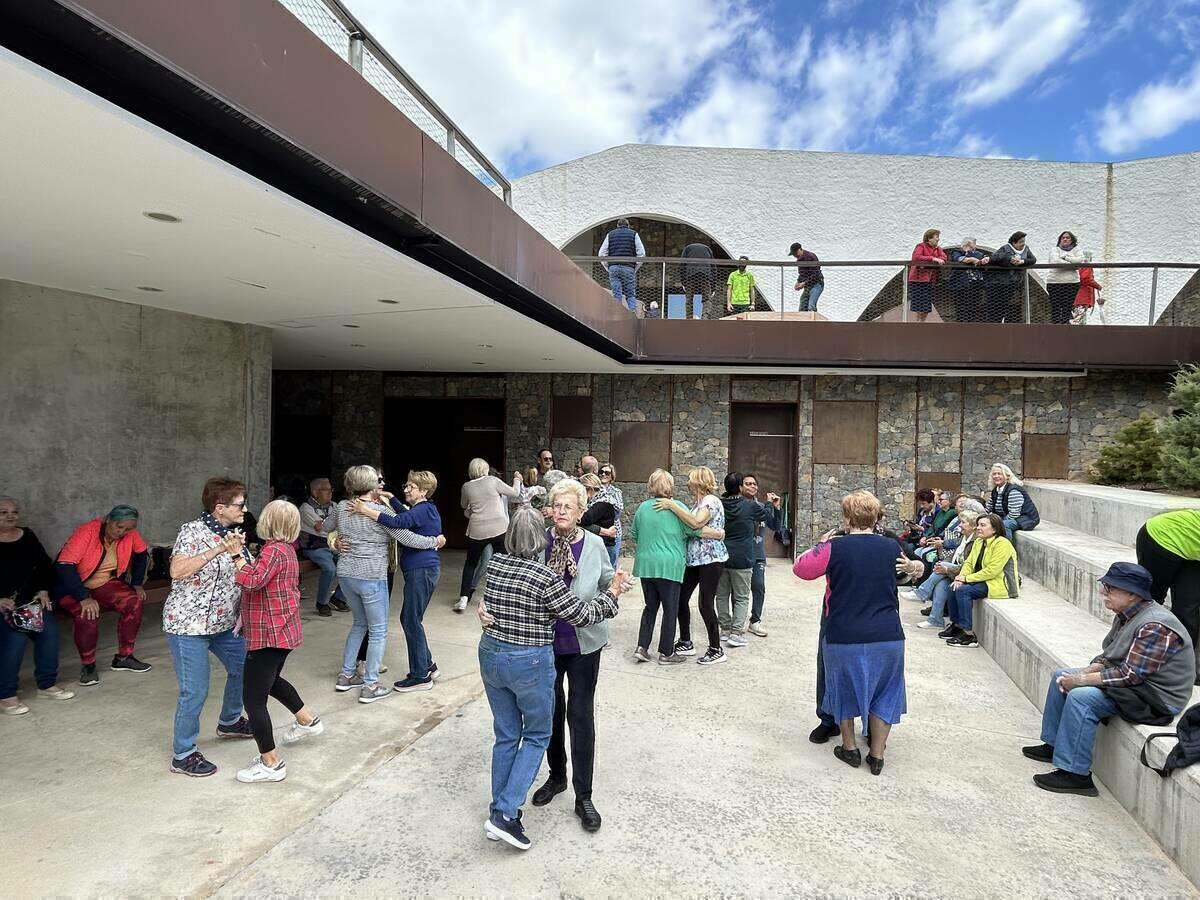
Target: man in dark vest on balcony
{"points": [[1144, 674], [623, 241]]}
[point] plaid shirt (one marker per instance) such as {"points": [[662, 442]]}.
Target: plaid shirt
{"points": [[271, 598], [1152, 646], [525, 597]]}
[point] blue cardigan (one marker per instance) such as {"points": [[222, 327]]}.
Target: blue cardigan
{"points": [[423, 519]]}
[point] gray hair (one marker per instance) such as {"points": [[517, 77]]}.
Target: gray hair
{"points": [[972, 505], [4, 498], [553, 477], [477, 468], [968, 241], [568, 486], [360, 479], [970, 515], [526, 535]]}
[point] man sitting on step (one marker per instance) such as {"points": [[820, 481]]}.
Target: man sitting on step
{"points": [[1144, 674]]}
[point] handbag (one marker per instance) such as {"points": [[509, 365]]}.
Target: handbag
{"points": [[1187, 751], [29, 618], [783, 533]]}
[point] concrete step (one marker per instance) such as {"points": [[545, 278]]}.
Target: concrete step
{"points": [[1111, 513], [1068, 562], [1034, 635]]}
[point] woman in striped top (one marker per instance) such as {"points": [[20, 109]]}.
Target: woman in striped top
{"points": [[522, 601]]}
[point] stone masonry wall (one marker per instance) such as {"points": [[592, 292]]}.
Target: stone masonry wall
{"points": [[993, 411], [1102, 403], [939, 424], [896, 461]]}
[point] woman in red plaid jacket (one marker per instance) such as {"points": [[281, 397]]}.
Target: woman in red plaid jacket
{"points": [[270, 622]]}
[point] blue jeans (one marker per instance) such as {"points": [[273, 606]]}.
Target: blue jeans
{"points": [[369, 603], [189, 653], [962, 606], [614, 552], [943, 596], [419, 585], [520, 689], [623, 281], [809, 297], [12, 651], [926, 588], [758, 589], [1069, 723], [326, 561], [1010, 527]]}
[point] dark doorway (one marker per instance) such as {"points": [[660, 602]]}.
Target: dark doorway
{"points": [[442, 436], [763, 441], [300, 451]]}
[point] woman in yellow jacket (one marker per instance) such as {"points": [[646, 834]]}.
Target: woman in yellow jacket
{"points": [[990, 570]]}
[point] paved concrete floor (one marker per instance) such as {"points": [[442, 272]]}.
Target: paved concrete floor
{"points": [[705, 778]]}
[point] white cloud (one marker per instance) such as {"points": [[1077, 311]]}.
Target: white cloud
{"points": [[976, 145], [735, 112], [1156, 110], [994, 47]]}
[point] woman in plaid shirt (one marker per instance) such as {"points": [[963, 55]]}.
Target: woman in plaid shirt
{"points": [[522, 601], [270, 622]]}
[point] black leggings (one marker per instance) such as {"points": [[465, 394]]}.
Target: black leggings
{"points": [[707, 577], [474, 554], [261, 679], [1174, 573], [1062, 300], [665, 593]]}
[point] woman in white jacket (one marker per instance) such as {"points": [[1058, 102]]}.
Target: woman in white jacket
{"points": [[1063, 284]]}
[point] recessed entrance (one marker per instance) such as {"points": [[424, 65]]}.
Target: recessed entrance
{"points": [[762, 440]]}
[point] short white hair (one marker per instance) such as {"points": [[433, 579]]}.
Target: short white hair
{"points": [[568, 486], [477, 468]]}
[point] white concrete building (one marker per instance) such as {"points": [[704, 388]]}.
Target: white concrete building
{"points": [[847, 206]]}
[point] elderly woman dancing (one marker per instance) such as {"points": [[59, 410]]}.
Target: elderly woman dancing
{"points": [[863, 644], [523, 601]]}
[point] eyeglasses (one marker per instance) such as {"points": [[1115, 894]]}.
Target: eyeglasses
{"points": [[564, 507], [606, 471], [241, 505]]}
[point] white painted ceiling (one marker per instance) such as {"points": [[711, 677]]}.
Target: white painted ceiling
{"points": [[78, 174]]}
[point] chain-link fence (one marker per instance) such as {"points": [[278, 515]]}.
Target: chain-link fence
{"points": [[341, 32], [747, 290]]}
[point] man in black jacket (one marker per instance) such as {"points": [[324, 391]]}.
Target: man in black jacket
{"points": [[758, 579]]}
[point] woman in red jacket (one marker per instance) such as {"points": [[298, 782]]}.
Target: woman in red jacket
{"points": [[1086, 296], [921, 279], [270, 622]]}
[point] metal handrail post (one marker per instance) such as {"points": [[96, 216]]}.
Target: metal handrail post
{"points": [[904, 294], [781, 280], [662, 305], [1025, 298], [356, 50], [1153, 293], [450, 140]]}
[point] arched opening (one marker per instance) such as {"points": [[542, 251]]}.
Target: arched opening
{"points": [[1184, 308], [666, 237]]}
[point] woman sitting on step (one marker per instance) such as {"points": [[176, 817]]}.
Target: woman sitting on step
{"points": [[1011, 501], [989, 570]]}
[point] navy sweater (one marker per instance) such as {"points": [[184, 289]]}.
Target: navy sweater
{"points": [[862, 607], [423, 519]]}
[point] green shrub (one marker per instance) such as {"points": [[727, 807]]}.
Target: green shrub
{"points": [[1181, 433], [1134, 456]]}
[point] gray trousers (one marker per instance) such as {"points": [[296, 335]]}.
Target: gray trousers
{"points": [[734, 587]]}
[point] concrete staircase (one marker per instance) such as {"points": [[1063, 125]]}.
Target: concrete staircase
{"points": [[1060, 621]]}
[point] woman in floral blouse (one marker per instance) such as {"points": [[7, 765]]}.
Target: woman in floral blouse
{"points": [[199, 617]]}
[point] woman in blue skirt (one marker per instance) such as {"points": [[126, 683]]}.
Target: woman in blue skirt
{"points": [[863, 644]]}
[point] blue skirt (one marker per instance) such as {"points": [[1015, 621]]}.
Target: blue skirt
{"points": [[865, 679]]}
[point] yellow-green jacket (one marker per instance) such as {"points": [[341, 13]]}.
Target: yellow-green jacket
{"points": [[993, 561]]}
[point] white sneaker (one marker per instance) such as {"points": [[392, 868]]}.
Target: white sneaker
{"points": [[925, 623], [757, 629], [461, 605], [909, 594], [15, 708], [737, 640], [259, 771], [297, 732], [56, 692]]}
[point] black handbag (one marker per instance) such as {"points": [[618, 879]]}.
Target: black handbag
{"points": [[783, 533], [1184, 753]]}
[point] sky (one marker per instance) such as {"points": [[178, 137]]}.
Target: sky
{"points": [[538, 82]]}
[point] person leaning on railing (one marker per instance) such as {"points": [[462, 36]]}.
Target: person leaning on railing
{"points": [[1063, 284], [922, 278], [1003, 277], [966, 284], [809, 280]]}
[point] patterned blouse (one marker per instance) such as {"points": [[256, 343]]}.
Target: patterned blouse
{"points": [[207, 602], [702, 551]]}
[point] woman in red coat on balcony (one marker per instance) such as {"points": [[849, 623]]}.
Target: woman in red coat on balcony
{"points": [[921, 279]]}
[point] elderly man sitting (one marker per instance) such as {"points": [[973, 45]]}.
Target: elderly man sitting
{"points": [[1144, 674], [90, 576], [314, 544]]}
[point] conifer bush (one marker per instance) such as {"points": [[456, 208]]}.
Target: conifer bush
{"points": [[1180, 434], [1134, 456]]}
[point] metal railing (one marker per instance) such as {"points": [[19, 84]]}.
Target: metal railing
{"points": [[344, 35], [898, 291]]}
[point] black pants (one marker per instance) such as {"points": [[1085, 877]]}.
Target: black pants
{"points": [[1062, 300], [826, 718], [1174, 573], [707, 577], [968, 303], [998, 305], [665, 593], [262, 678], [474, 554], [576, 708]]}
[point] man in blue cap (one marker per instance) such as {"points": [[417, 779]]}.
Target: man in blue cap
{"points": [[1144, 674]]}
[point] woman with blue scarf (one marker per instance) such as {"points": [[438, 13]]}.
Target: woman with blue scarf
{"points": [[200, 617]]}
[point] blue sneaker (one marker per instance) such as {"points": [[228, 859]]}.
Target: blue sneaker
{"points": [[511, 831]]}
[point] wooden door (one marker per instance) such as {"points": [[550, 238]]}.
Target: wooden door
{"points": [[763, 441]]}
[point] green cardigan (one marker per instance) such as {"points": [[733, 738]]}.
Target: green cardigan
{"points": [[661, 539]]}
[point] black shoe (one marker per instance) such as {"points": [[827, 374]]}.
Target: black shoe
{"points": [[1041, 752], [511, 831], [950, 631], [927, 611], [239, 729], [193, 765], [685, 648], [875, 765], [822, 733], [587, 815], [129, 663], [88, 676], [324, 611], [1062, 782], [339, 605], [963, 640], [852, 758], [547, 791]]}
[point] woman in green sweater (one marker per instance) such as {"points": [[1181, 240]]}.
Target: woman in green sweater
{"points": [[661, 540]]}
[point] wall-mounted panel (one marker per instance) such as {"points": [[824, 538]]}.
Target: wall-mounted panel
{"points": [[844, 432], [638, 448]]}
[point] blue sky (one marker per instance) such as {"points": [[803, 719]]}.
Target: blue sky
{"points": [[538, 82]]}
